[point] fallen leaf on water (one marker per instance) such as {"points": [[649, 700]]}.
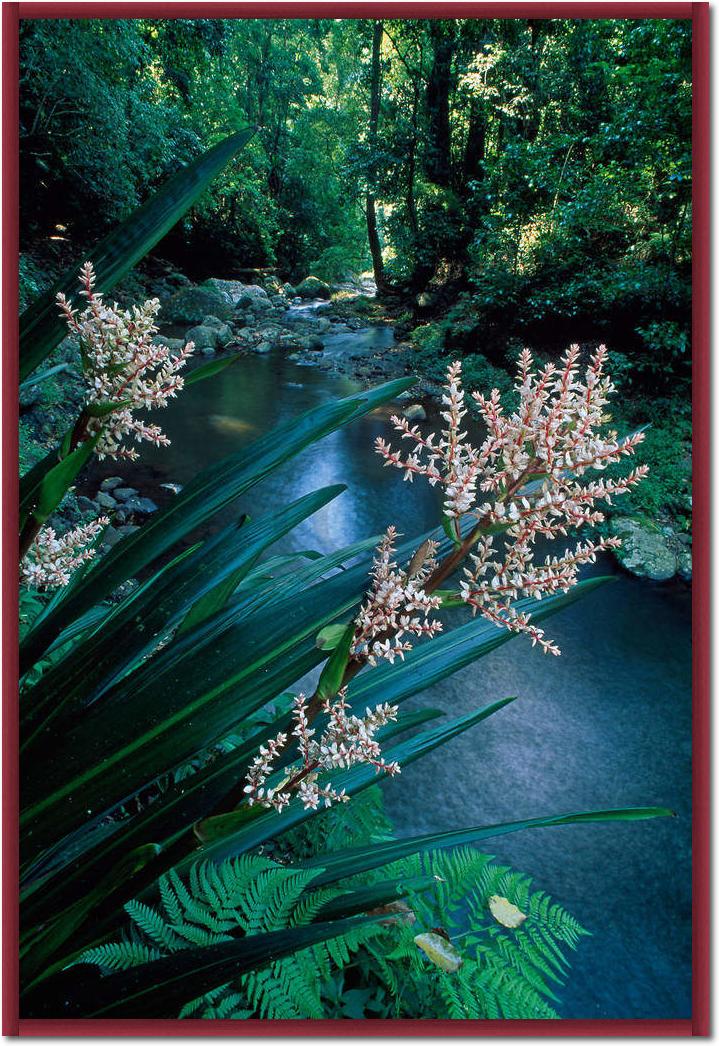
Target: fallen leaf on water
{"points": [[396, 912], [439, 951], [229, 425], [505, 912]]}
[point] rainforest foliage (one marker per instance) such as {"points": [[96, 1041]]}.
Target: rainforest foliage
{"points": [[532, 174], [509, 181]]}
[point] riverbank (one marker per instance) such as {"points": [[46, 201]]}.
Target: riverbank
{"points": [[328, 328]]}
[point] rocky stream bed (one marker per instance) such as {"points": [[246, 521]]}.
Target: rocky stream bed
{"points": [[315, 326]]}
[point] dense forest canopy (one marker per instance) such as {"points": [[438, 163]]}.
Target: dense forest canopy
{"points": [[542, 166]]}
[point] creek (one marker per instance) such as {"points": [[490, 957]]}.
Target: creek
{"points": [[607, 724]]}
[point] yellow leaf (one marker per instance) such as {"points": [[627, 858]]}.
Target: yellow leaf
{"points": [[439, 951], [505, 912]]}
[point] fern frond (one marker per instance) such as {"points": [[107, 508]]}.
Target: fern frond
{"points": [[153, 925], [119, 955]]}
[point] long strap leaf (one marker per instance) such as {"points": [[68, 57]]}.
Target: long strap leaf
{"points": [[344, 863], [130, 633], [41, 327], [159, 988], [429, 663], [353, 780]]}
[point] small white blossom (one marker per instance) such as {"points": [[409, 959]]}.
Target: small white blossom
{"points": [[396, 605], [346, 741], [122, 366], [52, 559]]}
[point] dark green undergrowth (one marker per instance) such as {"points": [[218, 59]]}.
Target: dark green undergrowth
{"points": [[483, 969]]}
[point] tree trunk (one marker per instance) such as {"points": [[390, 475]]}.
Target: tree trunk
{"points": [[531, 121], [411, 165], [439, 166], [375, 246], [475, 146]]}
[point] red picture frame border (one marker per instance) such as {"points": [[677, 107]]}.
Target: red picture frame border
{"points": [[698, 1025]]}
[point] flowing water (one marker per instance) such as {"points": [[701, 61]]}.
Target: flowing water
{"points": [[607, 724]]}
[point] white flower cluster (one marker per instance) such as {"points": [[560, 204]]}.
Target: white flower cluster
{"points": [[450, 461], [258, 772], [531, 461], [396, 605], [52, 559], [346, 740], [123, 367]]}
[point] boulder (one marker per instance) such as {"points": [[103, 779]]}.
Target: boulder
{"points": [[174, 488], [105, 500], [269, 331], [127, 528], [192, 304], [256, 305], [233, 291], [252, 290], [246, 336], [139, 506], [289, 290], [175, 345], [224, 331], [243, 295], [279, 301], [263, 348], [311, 287], [110, 537], [87, 505], [203, 337], [124, 493], [644, 551], [415, 412], [111, 482], [684, 565], [312, 344], [228, 290]]}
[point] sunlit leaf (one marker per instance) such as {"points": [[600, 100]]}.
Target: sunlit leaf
{"points": [[439, 951]]}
